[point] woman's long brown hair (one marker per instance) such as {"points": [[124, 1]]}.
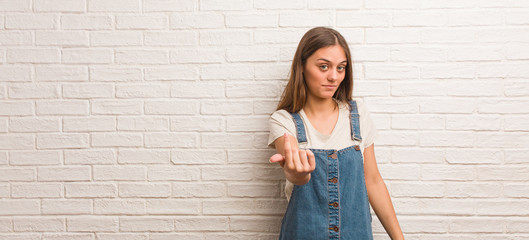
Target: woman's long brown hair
{"points": [[294, 96]]}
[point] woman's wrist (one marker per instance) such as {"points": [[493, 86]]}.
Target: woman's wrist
{"points": [[297, 179]]}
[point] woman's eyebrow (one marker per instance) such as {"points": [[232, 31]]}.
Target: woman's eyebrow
{"points": [[323, 59]]}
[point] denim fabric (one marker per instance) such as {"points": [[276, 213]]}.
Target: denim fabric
{"points": [[334, 203], [300, 128], [355, 122]]}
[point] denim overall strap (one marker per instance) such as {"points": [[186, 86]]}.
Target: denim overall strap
{"points": [[355, 122], [300, 128]]}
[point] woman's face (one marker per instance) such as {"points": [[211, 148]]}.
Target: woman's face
{"points": [[324, 70]]}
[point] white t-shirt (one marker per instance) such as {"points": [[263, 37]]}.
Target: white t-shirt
{"points": [[281, 121]]}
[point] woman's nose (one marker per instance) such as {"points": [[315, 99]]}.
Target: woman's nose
{"points": [[332, 76]]}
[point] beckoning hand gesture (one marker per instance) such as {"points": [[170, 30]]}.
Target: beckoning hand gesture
{"points": [[296, 163]]}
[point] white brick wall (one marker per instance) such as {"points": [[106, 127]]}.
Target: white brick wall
{"points": [[147, 119]]}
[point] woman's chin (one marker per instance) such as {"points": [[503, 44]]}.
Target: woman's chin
{"points": [[322, 95], [328, 94]]}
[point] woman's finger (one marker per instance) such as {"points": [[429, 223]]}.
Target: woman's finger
{"points": [[298, 166], [311, 160], [277, 158], [303, 160], [286, 139], [288, 153]]}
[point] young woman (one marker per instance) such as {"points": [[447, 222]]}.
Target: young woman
{"points": [[324, 141]]}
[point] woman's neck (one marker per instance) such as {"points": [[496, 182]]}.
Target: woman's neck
{"points": [[319, 107]]}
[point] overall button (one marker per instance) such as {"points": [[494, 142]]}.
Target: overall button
{"points": [[333, 180], [334, 204], [333, 156], [357, 147], [336, 228]]}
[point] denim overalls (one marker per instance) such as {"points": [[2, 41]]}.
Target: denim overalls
{"points": [[334, 203]]}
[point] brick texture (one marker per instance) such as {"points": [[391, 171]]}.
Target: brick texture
{"points": [[147, 119]]}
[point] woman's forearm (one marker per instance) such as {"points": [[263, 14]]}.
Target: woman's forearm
{"points": [[381, 202]]}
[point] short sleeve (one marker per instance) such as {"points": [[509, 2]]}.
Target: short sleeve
{"points": [[367, 126], [280, 122]]}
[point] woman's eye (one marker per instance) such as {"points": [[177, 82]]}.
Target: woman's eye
{"points": [[324, 67], [341, 68]]}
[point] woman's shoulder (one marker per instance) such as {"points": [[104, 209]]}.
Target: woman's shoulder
{"points": [[359, 104], [280, 114]]}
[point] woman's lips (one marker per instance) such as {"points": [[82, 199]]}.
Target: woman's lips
{"points": [[329, 86]]}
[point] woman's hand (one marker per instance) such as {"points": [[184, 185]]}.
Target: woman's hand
{"points": [[296, 163]]}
